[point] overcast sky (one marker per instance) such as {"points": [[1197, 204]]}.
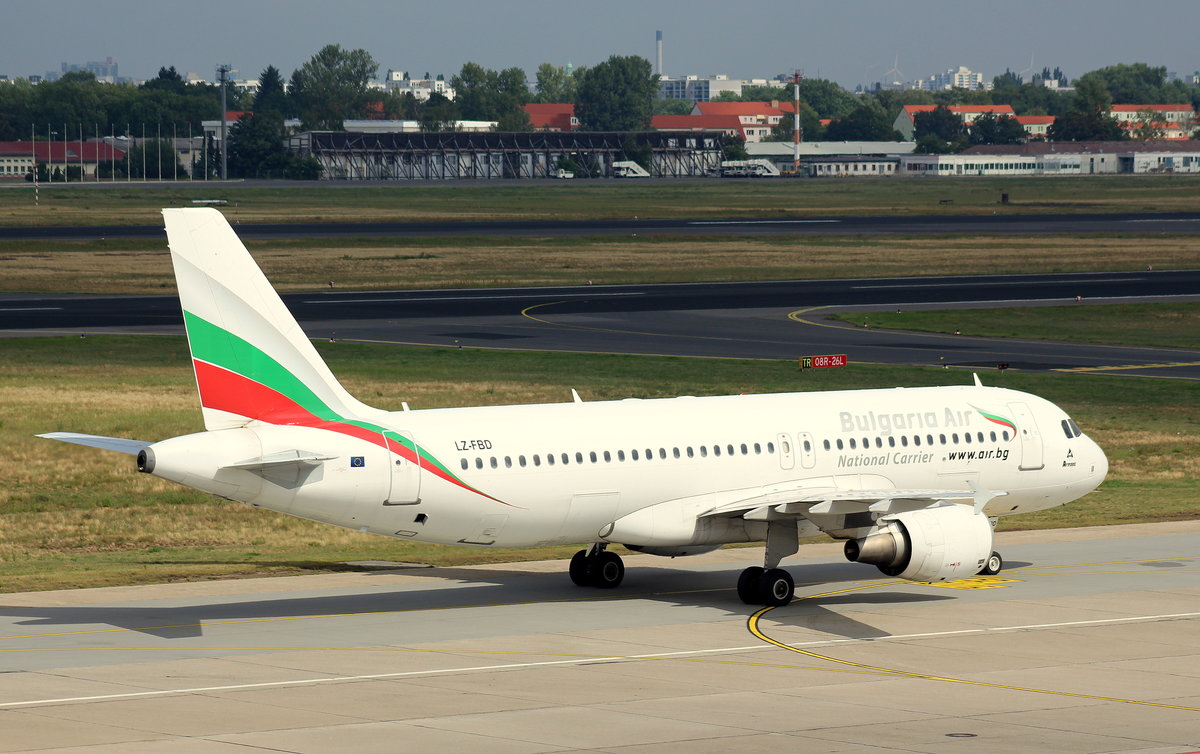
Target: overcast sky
{"points": [[851, 42]]}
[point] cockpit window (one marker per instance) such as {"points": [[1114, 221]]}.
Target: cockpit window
{"points": [[1071, 429]]}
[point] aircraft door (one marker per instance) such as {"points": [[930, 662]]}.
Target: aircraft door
{"points": [[1030, 438], [787, 455], [807, 449], [405, 471]]}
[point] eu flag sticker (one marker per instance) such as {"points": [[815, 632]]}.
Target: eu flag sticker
{"points": [[357, 462]]}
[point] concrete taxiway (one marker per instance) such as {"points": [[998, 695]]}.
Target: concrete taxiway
{"points": [[1087, 641]]}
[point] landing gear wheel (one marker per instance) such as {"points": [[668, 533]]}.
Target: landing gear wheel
{"points": [[606, 571], [579, 569], [992, 565], [747, 586], [777, 587]]}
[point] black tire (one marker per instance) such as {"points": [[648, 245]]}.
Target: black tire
{"points": [[777, 587], [992, 565], [606, 570], [748, 585], [579, 569]]}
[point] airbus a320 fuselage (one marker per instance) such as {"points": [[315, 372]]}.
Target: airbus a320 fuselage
{"points": [[911, 478]]}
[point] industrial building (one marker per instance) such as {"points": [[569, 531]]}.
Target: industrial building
{"points": [[496, 155], [1060, 158]]}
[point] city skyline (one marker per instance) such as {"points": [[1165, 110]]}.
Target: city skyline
{"points": [[851, 43]]}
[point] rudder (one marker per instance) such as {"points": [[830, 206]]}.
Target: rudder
{"points": [[252, 360]]}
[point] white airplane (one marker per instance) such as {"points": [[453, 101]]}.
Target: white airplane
{"points": [[911, 478]]}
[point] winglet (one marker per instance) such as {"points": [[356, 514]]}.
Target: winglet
{"points": [[977, 382], [575, 396]]}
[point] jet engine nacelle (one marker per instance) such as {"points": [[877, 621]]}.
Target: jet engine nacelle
{"points": [[943, 543]]}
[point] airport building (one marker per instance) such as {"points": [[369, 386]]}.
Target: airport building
{"points": [[17, 158], [1060, 158], [835, 159], [452, 155]]}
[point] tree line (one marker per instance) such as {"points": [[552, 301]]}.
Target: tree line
{"points": [[618, 94]]}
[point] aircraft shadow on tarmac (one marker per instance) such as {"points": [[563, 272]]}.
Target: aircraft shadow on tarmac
{"points": [[474, 588]]}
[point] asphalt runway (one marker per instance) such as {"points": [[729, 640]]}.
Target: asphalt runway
{"points": [[1007, 223], [1086, 642], [769, 320]]}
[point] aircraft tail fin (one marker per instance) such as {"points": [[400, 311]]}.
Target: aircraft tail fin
{"points": [[252, 360]]}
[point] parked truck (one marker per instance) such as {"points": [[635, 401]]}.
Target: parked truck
{"points": [[628, 169], [748, 169]]}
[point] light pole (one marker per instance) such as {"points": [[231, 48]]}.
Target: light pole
{"points": [[223, 77]]}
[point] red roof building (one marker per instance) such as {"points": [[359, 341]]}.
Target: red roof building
{"points": [[552, 116], [18, 157], [749, 113], [1036, 126], [731, 125], [905, 121]]}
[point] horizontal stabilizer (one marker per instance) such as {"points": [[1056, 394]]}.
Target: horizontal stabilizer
{"points": [[119, 444], [283, 458]]}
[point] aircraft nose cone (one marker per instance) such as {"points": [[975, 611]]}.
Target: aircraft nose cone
{"points": [[1101, 465]]}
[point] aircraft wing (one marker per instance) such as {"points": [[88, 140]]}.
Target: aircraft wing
{"points": [[118, 444], [825, 503], [831, 501]]}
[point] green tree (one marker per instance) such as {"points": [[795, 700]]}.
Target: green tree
{"points": [[990, 129], [167, 80], [554, 84], [438, 114], [939, 122], [270, 96], [256, 146], [733, 148], [158, 158], [867, 122], [617, 95], [825, 97], [810, 126], [331, 87], [1129, 84], [514, 120], [1088, 117], [673, 106], [483, 94]]}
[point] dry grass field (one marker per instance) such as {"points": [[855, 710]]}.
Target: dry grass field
{"points": [[73, 516], [121, 204], [139, 266]]}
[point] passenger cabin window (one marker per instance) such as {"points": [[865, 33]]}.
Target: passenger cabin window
{"points": [[690, 453], [579, 457], [607, 457], [704, 451], [465, 464], [758, 448], [771, 447], [479, 463], [745, 450]]}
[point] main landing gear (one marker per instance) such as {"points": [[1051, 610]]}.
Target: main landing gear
{"points": [[597, 567], [770, 584]]}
